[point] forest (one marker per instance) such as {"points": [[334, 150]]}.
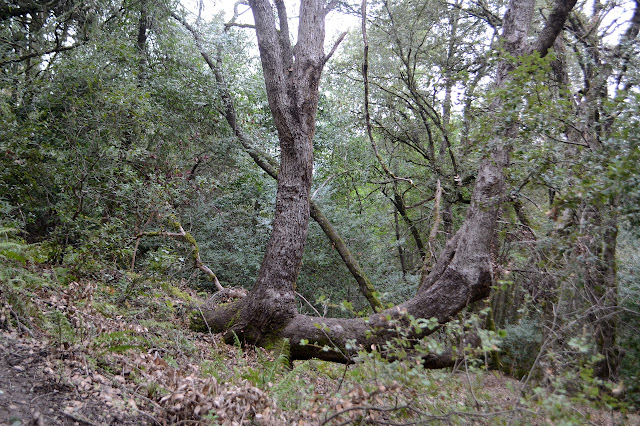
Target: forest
{"points": [[319, 212]]}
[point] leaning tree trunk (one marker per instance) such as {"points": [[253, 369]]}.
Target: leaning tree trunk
{"points": [[463, 272], [292, 76], [270, 166]]}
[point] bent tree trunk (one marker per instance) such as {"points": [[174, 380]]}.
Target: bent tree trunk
{"points": [[292, 76], [270, 166], [463, 272]]}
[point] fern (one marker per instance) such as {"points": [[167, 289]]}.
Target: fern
{"points": [[290, 389], [121, 341], [12, 248], [270, 368], [281, 361], [60, 329]]}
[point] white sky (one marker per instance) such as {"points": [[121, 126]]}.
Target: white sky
{"points": [[615, 21], [335, 23]]}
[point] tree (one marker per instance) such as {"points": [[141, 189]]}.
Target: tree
{"points": [[592, 214], [463, 273], [99, 126]]}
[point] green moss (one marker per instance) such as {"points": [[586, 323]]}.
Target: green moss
{"points": [[233, 319], [196, 322], [176, 292]]}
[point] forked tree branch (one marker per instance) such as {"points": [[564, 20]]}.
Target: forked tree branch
{"points": [[270, 166]]}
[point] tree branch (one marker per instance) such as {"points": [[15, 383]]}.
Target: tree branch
{"points": [[236, 13], [195, 254], [283, 34], [56, 49], [335, 47], [553, 26]]}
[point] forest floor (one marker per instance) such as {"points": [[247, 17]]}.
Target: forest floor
{"points": [[117, 351]]}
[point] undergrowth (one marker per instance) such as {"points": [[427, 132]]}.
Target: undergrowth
{"points": [[131, 333]]}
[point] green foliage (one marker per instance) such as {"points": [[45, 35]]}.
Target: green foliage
{"points": [[270, 366], [121, 341], [60, 329], [17, 282], [629, 261], [520, 346], [11, 249]]}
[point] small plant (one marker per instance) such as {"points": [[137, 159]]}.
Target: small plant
{"points": [[269, 365], [12, 248], [60, 329], [121, 341]]}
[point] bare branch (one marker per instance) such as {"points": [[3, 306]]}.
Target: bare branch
{"points": [[236, 14], [236, 24], [195, 254], [335, 46], [481, 12], [36, 54]]}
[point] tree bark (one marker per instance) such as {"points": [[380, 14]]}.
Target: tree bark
{"points": [[462, 274], [270, 166], [292, 76]]}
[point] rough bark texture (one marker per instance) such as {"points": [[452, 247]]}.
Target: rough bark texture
{"points": [[463, 271], [270, 166], [292, 76]]}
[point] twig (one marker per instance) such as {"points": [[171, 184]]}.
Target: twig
{"points": [[326, 181], [144, 413], [21, 326], [371, 408], [208, 328], [195, 255], [322, 328], [309, 303], [344, 374], [473, 395], [80, 418]]}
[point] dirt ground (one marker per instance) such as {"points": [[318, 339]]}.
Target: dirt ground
{"points": [[36, 389]]}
